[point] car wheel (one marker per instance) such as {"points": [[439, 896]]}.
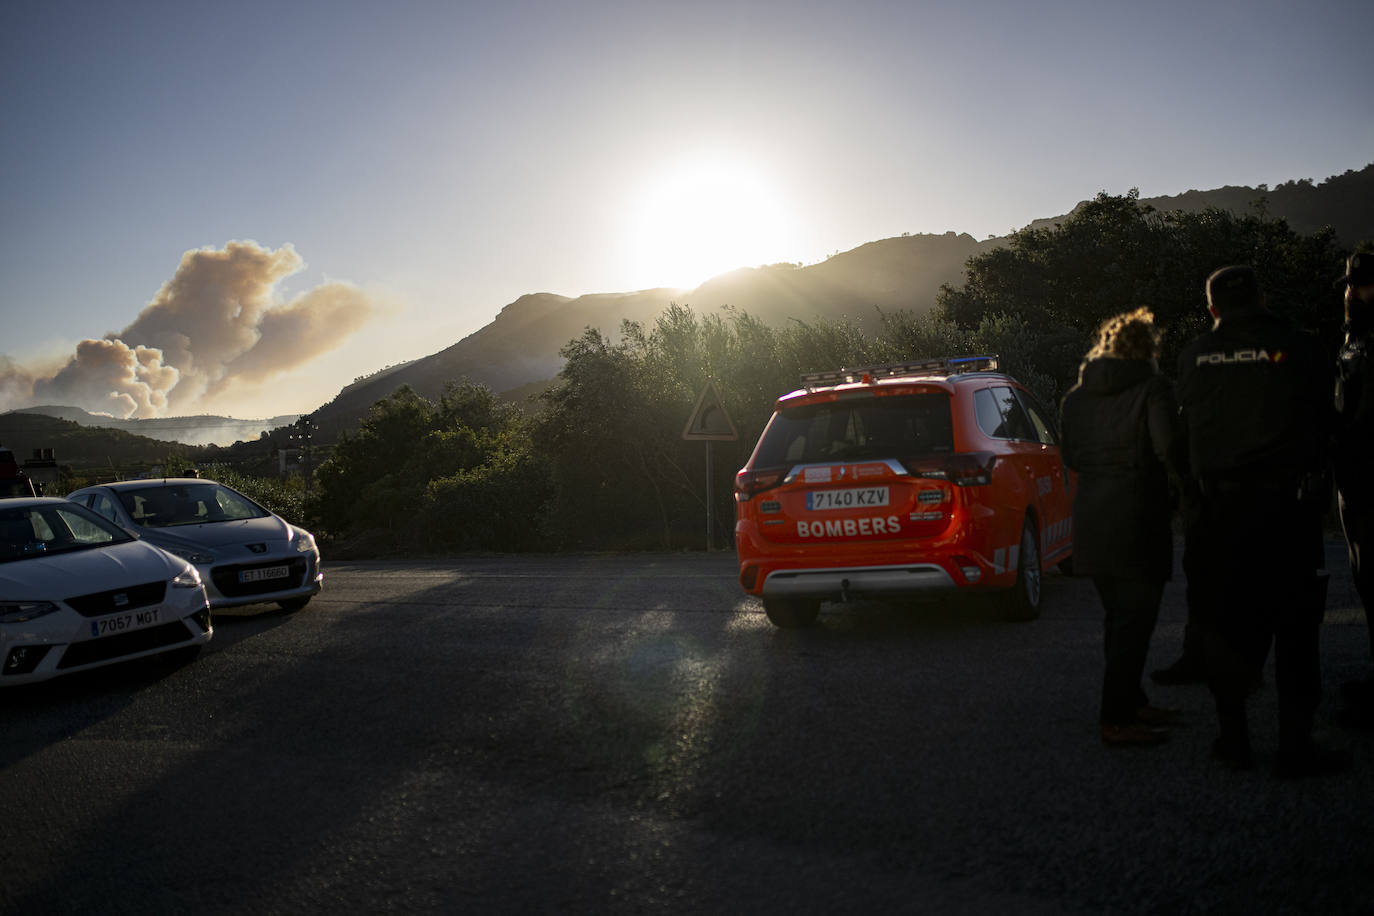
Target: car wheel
{"points": [[293, 604], [1023, 601], [791, 612]]}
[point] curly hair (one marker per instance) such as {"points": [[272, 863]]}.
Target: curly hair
{"points": [[1130, 335]]}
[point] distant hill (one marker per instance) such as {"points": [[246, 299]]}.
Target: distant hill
{"points": [[204, 429], [1343, 202], [521, 345], [86, 448]]}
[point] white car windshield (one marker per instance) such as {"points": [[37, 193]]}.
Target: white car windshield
{"points": [[167, 505], [27, 532]]}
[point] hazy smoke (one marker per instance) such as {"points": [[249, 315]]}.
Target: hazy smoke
{"points": [[16, 383], [105, 376], [217, 321]]}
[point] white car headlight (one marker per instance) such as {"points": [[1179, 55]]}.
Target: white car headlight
{"points": [[21, 611], [304, 540], [187, 578]]}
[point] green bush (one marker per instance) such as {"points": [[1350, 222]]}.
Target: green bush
{"points": [[499, 505]]}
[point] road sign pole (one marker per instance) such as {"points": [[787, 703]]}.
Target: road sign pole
{"points": [[708, 422], [710, 499]]}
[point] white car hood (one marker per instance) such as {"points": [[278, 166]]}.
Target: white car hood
{"points": [[79, 572], [214, 535]]}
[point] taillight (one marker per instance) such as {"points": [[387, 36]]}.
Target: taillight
{"points": [[964, 469], [748, 482]]}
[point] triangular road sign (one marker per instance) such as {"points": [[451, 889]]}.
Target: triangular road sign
{"points": [[709, 420]]}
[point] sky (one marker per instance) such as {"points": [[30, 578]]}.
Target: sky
{"points": [[240, 208]]}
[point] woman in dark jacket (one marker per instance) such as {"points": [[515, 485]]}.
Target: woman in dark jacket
{"points": [[1120, 435]]}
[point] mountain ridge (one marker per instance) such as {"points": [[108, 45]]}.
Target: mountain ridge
{"points": [[520, 346]]}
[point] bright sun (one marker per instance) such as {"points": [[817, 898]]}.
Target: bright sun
{"points": [[705, 217]]}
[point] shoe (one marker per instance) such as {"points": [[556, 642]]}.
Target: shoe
{"points": [[1183, 671], [1310, 761], [1133, 735], [1158, 715], [1234, 755]]}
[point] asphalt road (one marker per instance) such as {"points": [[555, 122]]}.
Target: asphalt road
{"points": [[629, 734]]}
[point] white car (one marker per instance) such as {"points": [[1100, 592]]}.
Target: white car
{"points": [[244, 553], [78, 592]]}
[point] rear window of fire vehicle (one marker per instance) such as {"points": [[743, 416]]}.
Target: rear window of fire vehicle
{"points": [[874, 428]]}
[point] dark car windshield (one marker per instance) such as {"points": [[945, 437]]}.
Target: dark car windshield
{"points": [[869, 428], [40, 531], [165, 505]]}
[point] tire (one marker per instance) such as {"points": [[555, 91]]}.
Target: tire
{"points": [[1022, 602], [791, 613], [293, 604]]}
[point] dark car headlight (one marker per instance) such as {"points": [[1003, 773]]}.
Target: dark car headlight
{"points": [[21, 611]]}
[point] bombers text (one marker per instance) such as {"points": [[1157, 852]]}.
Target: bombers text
{"points": [[850, 527]]}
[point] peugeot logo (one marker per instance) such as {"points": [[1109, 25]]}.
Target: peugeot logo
{"points": [[258, 548]]}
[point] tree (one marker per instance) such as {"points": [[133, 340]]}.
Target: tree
{"points": [[1114, 254], [417, 469]]}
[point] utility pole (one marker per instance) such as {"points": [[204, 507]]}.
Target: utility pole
{"points": [[305, 427]]}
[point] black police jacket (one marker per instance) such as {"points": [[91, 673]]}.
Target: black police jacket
{"points": [[1255, 399], [1120, 433]]}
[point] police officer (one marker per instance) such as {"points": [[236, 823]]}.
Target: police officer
{"points": [[1355, 446], [1254, 394]]}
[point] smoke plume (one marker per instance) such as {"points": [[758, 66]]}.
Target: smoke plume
{"points": [[216, 323]]}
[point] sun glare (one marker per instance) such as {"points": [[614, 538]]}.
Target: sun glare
{"points": [[703, 218]]}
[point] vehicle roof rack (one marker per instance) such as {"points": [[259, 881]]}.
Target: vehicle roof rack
{"points": [[949, 365]]}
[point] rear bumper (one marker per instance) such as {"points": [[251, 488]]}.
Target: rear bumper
{"points": [[878, 567], [845, 581]]}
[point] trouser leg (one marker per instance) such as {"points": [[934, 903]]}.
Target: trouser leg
{"points": [[1358, 526], [1194, 645], [1233, 622], [1297, 661], [1131, 609]]}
